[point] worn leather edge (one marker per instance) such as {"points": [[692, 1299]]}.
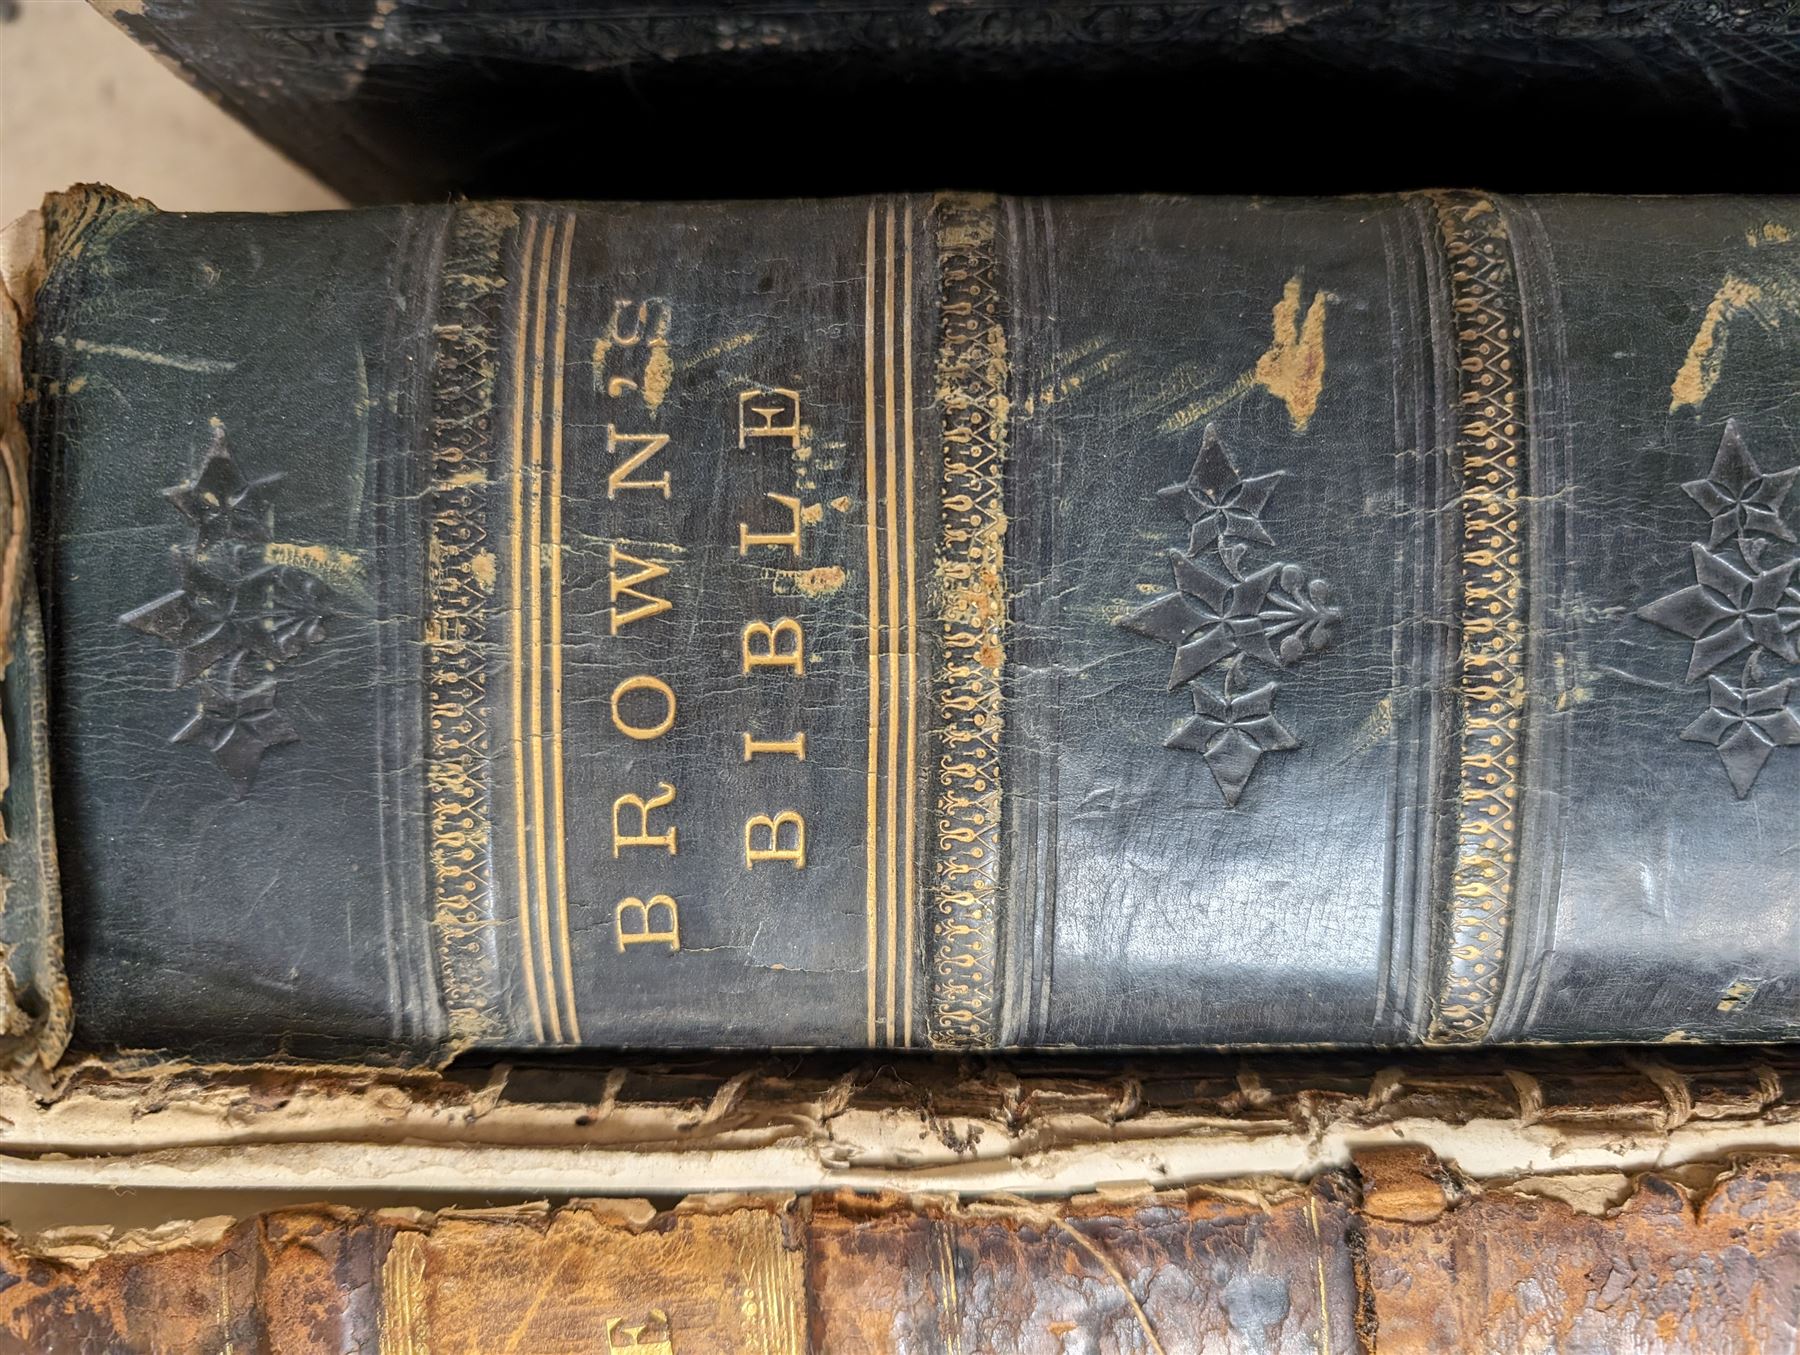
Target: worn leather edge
{"points": [[1401, 1249], [865, 1156], [35, 1007], [22, 263], [121, 13], [1403, 1184], [78, 1246], [672, 1127], [458, 605]]}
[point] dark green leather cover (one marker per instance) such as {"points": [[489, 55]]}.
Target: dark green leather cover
{"points": [[413, 100], [1210, 622]]}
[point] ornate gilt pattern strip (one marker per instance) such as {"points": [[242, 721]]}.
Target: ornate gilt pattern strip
{"points": [[459, 598], [1490, 456], [970, 588]]}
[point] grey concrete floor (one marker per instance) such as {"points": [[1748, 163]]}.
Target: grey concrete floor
{"points": [[80, 102]]}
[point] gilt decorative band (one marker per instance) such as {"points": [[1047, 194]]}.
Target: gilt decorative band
{"points": [[459, 597], [969, 589], [1490, 456]]}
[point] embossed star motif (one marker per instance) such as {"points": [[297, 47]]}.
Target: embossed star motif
{"points": [[230, 603], [1727, 610], [202, 621], [1232, 733], [1207, 618], [1218, 502], [236, 617], [221, 502], [1738, 496], [1745, 725], [237, 728]]}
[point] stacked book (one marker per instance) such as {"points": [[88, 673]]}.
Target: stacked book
{"points": [[1163, 707]]}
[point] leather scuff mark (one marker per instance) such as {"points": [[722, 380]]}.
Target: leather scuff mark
{"points": [[22, 262], [1293, 367], [820, 581], [1767, 292], [741, 1123]]}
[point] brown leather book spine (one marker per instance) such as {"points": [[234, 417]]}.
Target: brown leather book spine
{"points": [[1399, 1253]]}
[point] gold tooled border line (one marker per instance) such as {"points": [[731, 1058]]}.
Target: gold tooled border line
{"points": [[891, 494], [535, 627], [872, 545], [963, 1010], [1490, 456]]}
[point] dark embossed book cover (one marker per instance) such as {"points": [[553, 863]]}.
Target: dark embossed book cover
{"points": [[945, 622], [411, 100]]}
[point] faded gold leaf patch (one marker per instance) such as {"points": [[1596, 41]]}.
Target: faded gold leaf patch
{"points": [[1293, 368], [1767, 292]]}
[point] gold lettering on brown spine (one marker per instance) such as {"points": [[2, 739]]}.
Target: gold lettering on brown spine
{"points": [[636, 327], [1491, 452], [778, 645], [631, 728], [789, 538], [794, 747], [770, 412], [629, 452], [972, 374]]}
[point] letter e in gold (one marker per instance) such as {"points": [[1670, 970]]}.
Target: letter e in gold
{"points": [[770, 413]]}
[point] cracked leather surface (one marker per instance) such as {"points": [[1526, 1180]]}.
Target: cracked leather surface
{"points": [[1235, 646]]}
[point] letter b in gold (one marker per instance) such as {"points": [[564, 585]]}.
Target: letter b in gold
{"points": [[778, 838], [660, 909]]}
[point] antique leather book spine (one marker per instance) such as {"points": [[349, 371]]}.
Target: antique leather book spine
{"points": [[1398, 1254], [946, 622]]}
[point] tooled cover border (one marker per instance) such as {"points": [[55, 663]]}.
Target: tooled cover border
{"points": [[1122, 622]]}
